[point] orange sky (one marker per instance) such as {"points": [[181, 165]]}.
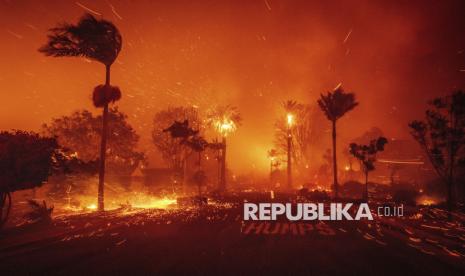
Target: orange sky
{"points": [[252, 54]]}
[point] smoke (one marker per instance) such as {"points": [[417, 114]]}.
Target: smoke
{"points": [[395, 55]]}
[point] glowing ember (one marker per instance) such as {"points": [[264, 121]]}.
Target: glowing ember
{"points": [[426, 201], [161, 203], [138, 200], [92, 206]]}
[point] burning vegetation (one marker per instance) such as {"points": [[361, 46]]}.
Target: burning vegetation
{"points": [[96, 179]]}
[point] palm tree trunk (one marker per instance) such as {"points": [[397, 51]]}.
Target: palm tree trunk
{"points": [[336, 186], [103, 147], [223, 166], [289, 159]]}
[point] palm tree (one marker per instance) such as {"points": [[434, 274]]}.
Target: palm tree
{"points": [[290, 107], [224, 119], [335, 105], [99, 40]]}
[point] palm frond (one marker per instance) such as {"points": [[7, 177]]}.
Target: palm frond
{"points": [[337, 103], [92, 38]]}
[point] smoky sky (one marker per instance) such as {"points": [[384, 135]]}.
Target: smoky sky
{"points": [[395, 55]]}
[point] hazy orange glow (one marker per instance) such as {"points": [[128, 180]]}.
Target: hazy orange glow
{"points": [[250, 54]]}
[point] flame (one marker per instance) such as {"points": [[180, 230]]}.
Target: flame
{"points": [[290, 119], [156, 203], [92, 206], [137, 200], [225, 126], [427, 201]]}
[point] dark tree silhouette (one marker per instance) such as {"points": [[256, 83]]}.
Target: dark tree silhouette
{"points": [[366, 154], [27, 160], [172, 151], [198, 144], [99, 40], [181, 130], [188, 137], [80, 133], [334, 106], [39, 212], [442, 138]]}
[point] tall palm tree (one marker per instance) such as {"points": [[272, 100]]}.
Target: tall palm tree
{"points": [[335, 105], [99, 40], [290, 107], [224, 119]]}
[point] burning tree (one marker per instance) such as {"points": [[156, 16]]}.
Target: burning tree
{"points": [[335, 105], [99, 40], [27, 160], [80, 133], [442, 138], [172, 151], [303, 133], [190, 138], [290, 108], [366, 154], [224, 120]]}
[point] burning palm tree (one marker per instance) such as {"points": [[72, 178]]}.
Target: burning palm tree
{"points": [[290, 107], [335, 105], [99, 40], [224, 119]]}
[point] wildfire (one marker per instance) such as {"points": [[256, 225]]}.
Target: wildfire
{"points": [[426, 201], [156, 203], [290, 119], [225, 126], [92, 206], [140, 200]]}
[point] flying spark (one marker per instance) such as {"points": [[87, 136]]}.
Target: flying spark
{"points": [[115, 12], [267, 5], [347, 36], [88, 9]]}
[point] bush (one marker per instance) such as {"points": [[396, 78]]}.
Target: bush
{"points": [[39, 212]]}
